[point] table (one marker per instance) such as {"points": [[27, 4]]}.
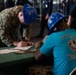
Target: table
{"points": [[14, 62]]}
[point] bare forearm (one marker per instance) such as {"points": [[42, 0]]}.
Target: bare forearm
{"points": [[69, 21]]}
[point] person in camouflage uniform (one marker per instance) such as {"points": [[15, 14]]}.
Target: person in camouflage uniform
{"points": [[10, 19]]}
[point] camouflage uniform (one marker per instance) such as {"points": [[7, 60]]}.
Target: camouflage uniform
{"points": [[9, 26]]}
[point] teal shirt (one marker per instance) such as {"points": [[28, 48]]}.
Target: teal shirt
{"points": [[57, 43]]}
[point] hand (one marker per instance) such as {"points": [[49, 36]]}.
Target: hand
{"points": [[39, 44], [30, 44], [23, 44]]}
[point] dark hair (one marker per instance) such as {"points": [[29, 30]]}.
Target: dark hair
{"points": [[61, 21], [57, 25]]}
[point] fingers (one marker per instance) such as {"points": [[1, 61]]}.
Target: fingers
{"points": [[30, 43], [23, 44]]}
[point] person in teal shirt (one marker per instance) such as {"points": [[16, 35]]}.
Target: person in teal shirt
{"points": [[59, 43]]}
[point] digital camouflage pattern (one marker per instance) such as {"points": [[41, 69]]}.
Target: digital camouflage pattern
{"points": [[9, 26]]}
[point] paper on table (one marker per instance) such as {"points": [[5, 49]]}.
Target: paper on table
{"points": [[14, 49], [22, 48], [7, 51]]}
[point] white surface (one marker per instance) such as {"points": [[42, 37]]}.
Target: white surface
{"points": [[5, 51], [22, 48], [14, 49]]}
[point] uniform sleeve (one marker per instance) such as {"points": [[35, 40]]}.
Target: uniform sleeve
{"points": [[5, 37], [48, 46], [27, 32], [4, 32]]}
